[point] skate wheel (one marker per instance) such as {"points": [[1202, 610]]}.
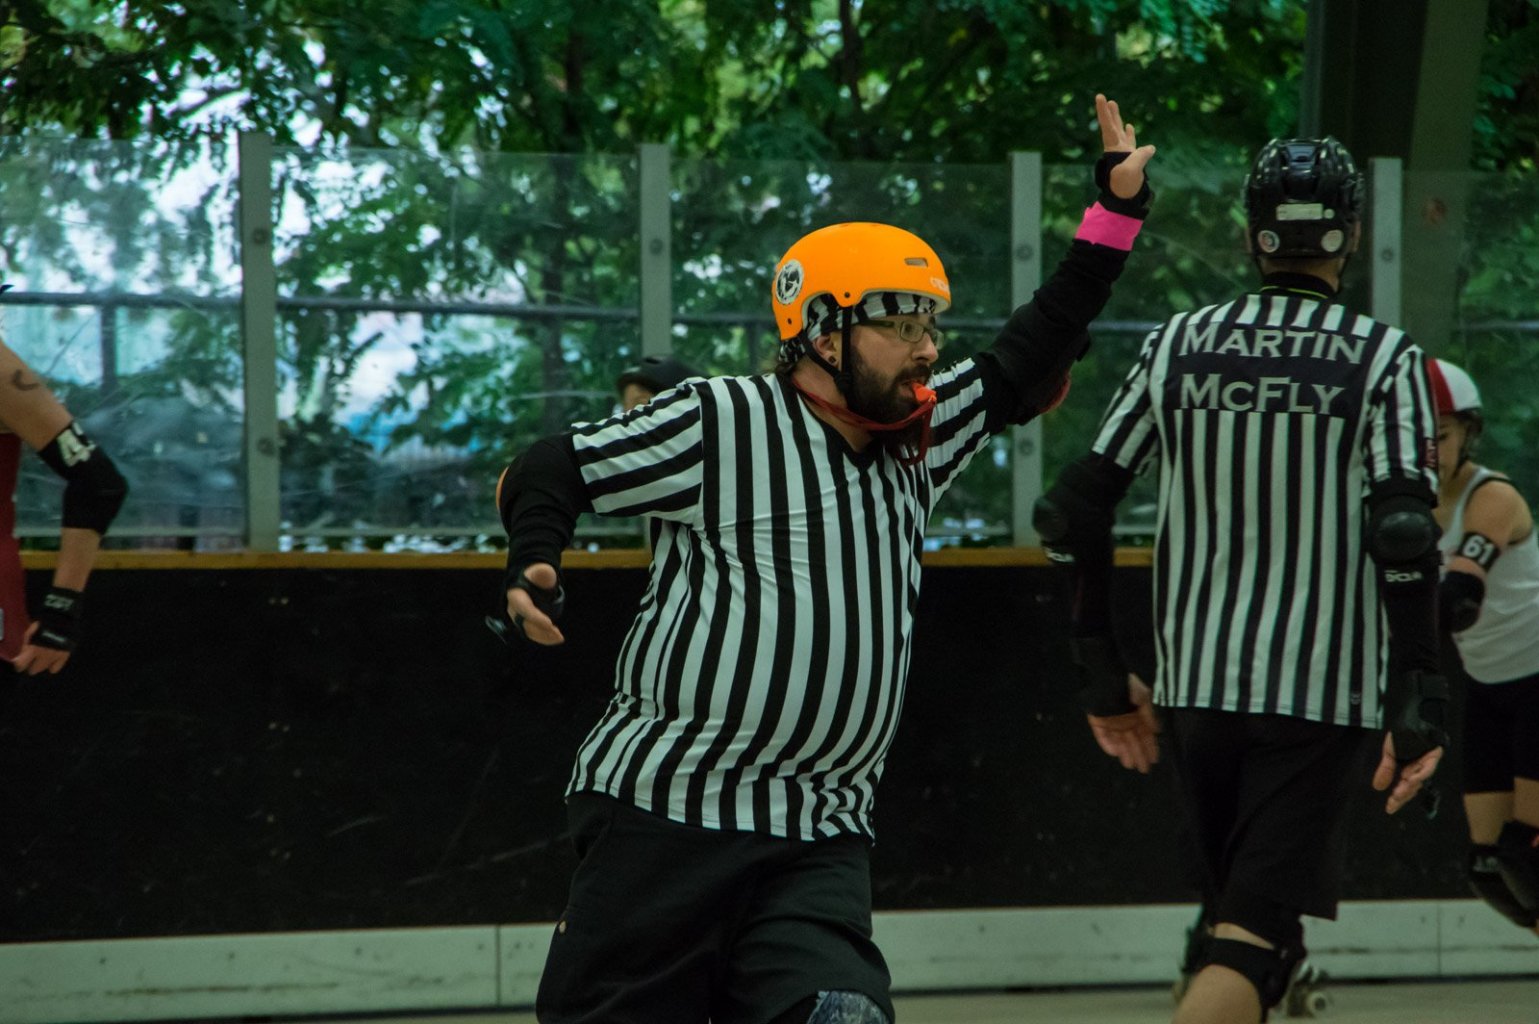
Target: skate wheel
{"points": [[1306, 1002]]}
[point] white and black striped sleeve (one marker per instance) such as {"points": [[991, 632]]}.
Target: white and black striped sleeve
{"points": [[647, 461], [1401, 439], [1128, 434], [958, 427]]}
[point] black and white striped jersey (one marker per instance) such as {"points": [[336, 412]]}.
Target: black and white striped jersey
{"points": [[760, 685], [1269, 417]]}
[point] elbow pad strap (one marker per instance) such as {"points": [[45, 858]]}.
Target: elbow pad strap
{"points": [[94, 489]]}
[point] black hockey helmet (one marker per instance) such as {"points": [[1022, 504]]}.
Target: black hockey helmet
{"points": [[1303, 197], [656, 373]]}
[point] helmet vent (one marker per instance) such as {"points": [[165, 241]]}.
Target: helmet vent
{"points": [[916, 261]]}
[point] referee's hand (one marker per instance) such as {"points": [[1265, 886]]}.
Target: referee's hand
{"points": [[1130, 738], [524, 612], [1127, 177], [1410, 777]]}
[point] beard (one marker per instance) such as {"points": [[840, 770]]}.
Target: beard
{"points": [[886, 400]]}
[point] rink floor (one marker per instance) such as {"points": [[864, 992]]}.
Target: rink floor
{"points": [[1505, 1001]]}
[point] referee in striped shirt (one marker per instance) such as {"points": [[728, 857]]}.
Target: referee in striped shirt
{"points": [[721, 807], [1295, 572]]}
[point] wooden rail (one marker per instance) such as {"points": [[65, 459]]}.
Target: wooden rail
{"points": [[614, 558]]}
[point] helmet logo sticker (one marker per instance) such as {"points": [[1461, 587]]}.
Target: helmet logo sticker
{"points": [[1332, 239], [1267, 241], [788, 282]]}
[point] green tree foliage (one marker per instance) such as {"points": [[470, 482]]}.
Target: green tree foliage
{"points": [[404, 174]]}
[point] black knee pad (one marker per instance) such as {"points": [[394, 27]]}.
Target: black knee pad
{"points": [[1486, 882], [1268, 970], [1517, 858], [837, 1007]]}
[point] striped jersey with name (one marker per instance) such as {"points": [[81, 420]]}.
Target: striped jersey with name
{"points": [[1269, 418], [760, 685]]}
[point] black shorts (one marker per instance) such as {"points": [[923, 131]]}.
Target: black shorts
{"points": [[1266, 798], [673, 924], [1501, 735]]}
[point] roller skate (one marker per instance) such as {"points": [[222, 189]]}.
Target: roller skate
{"points": [[1306, 995]]}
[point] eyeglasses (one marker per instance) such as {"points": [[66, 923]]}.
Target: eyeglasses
{"points": [[911, 332]]}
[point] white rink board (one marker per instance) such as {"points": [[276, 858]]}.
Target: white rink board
{"points": [[485, 966]]}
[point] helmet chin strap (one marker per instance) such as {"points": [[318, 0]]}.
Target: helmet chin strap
{"points": [[844, 380]]}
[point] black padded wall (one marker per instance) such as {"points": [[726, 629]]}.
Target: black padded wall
{"points": [[288, 749]]}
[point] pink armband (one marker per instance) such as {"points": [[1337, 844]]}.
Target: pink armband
{"points": [[1113, 230]]}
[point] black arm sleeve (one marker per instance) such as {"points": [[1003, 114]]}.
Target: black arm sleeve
{"points": [[542, 496], [1046, 336], [1075, 520]]}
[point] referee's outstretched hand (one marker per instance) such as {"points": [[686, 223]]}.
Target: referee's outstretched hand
{"points": [[1127, 178], [523, 611], [1130, 738], [1411, 776]]}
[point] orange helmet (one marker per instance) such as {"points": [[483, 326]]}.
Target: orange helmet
{"points": [[847, 262]]}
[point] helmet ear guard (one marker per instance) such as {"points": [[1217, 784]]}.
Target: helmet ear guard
{"points": [[1303, 200]]}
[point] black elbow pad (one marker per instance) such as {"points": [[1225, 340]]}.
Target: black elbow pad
{"points": [[1458, 600], [1402, 535], [94, 490]]}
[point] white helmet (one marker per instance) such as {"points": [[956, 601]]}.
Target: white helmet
{"points": [[1453, 390]]}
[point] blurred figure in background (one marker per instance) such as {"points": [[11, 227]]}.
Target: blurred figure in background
{"points": [[1489, 601], [649, 378], [94, 491]]}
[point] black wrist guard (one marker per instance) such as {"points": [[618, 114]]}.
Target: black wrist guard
{"points": [[551, 602], [58, 622], [1417, 714], [1103, 679], [1138, 206]]}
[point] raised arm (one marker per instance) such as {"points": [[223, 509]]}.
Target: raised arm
{"points": [[1031, 357]]}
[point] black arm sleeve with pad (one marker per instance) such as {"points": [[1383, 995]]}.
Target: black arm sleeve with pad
{"points": [[1402, 540], [93, 488], [542, 496]]}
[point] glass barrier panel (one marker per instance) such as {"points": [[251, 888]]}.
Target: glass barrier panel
{"points": [[125, 275], [435, 317]]}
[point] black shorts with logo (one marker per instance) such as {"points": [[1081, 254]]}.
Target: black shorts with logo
{"points": [[673, 924], [1267, 797]]}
